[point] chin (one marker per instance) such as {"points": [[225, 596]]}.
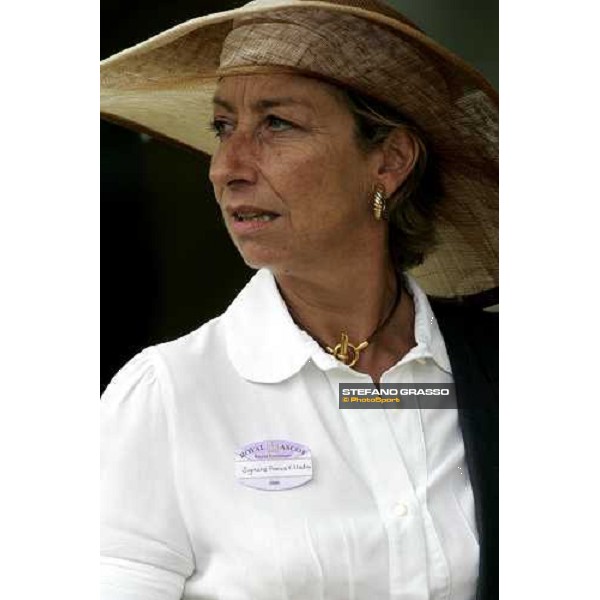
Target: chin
{"points": [[274, 257], [277, 263], [260, 258]]}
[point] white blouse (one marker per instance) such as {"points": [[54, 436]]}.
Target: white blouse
{"points": [[388, 513]]}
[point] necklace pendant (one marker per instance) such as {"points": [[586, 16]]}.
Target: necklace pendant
{"points": [[346, 352]]}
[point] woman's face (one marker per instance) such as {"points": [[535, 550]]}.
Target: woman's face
{"points": [[291, 181]]}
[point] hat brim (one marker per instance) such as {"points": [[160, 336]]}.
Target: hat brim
{"points": [[164, 87]]}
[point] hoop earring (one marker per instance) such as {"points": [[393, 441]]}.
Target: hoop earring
{"points": [[379, 203]]}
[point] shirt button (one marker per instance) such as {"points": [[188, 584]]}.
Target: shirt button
{"points": [[400, 509], [421, 361]]}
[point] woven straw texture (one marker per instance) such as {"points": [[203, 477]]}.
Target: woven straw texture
{"points": [[165, 86]]}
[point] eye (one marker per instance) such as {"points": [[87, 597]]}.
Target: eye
{"points": [[276, 124], [220, 127]]}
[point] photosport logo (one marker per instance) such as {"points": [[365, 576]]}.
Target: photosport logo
{"points": [[397, 395]]}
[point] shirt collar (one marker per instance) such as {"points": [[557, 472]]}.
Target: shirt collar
{"points": [[266, 346], [263, 342], [430, 343]]}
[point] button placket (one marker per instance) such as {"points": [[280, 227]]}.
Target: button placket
{"points": [[385, 471]]}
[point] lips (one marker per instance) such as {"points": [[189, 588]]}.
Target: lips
{"points": [[244, 218], [248, 219], [249, 214]]}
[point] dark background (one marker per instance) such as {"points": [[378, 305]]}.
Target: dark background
{"points": [[167, 264]]}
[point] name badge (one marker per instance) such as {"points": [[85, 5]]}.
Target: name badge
{"points": [[273, 465]]}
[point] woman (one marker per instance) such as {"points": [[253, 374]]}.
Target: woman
{"points": [[349, 149]]}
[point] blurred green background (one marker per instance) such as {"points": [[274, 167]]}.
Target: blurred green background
{"points": [[167, 265]]}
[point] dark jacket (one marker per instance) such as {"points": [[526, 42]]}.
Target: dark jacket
{"points": [[471, 337]]}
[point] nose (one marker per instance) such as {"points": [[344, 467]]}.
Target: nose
{"points": [[235, 160]]}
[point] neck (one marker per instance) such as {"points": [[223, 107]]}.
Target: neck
{"points": [[355, 297]]}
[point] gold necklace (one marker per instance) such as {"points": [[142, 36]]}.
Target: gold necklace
{"points": [[340, 351], [349, 353]]}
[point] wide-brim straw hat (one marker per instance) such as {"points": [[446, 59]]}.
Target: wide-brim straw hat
{"points": [[165, 85]]}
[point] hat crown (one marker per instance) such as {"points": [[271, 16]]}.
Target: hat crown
{"points": [[375, 6]]}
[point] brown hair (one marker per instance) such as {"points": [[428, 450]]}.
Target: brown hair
{"points": [[413, 205]]}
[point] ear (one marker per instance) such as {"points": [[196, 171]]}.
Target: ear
{"points": [[399, 154]]}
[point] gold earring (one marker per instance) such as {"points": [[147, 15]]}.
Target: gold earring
{"points": [[379, 204]]}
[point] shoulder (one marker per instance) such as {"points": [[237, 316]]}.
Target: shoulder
{"points": [[165, 370], [199, 362], [194, 358]]}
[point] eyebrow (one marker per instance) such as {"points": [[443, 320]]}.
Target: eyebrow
{"points": [[264, 104]]}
